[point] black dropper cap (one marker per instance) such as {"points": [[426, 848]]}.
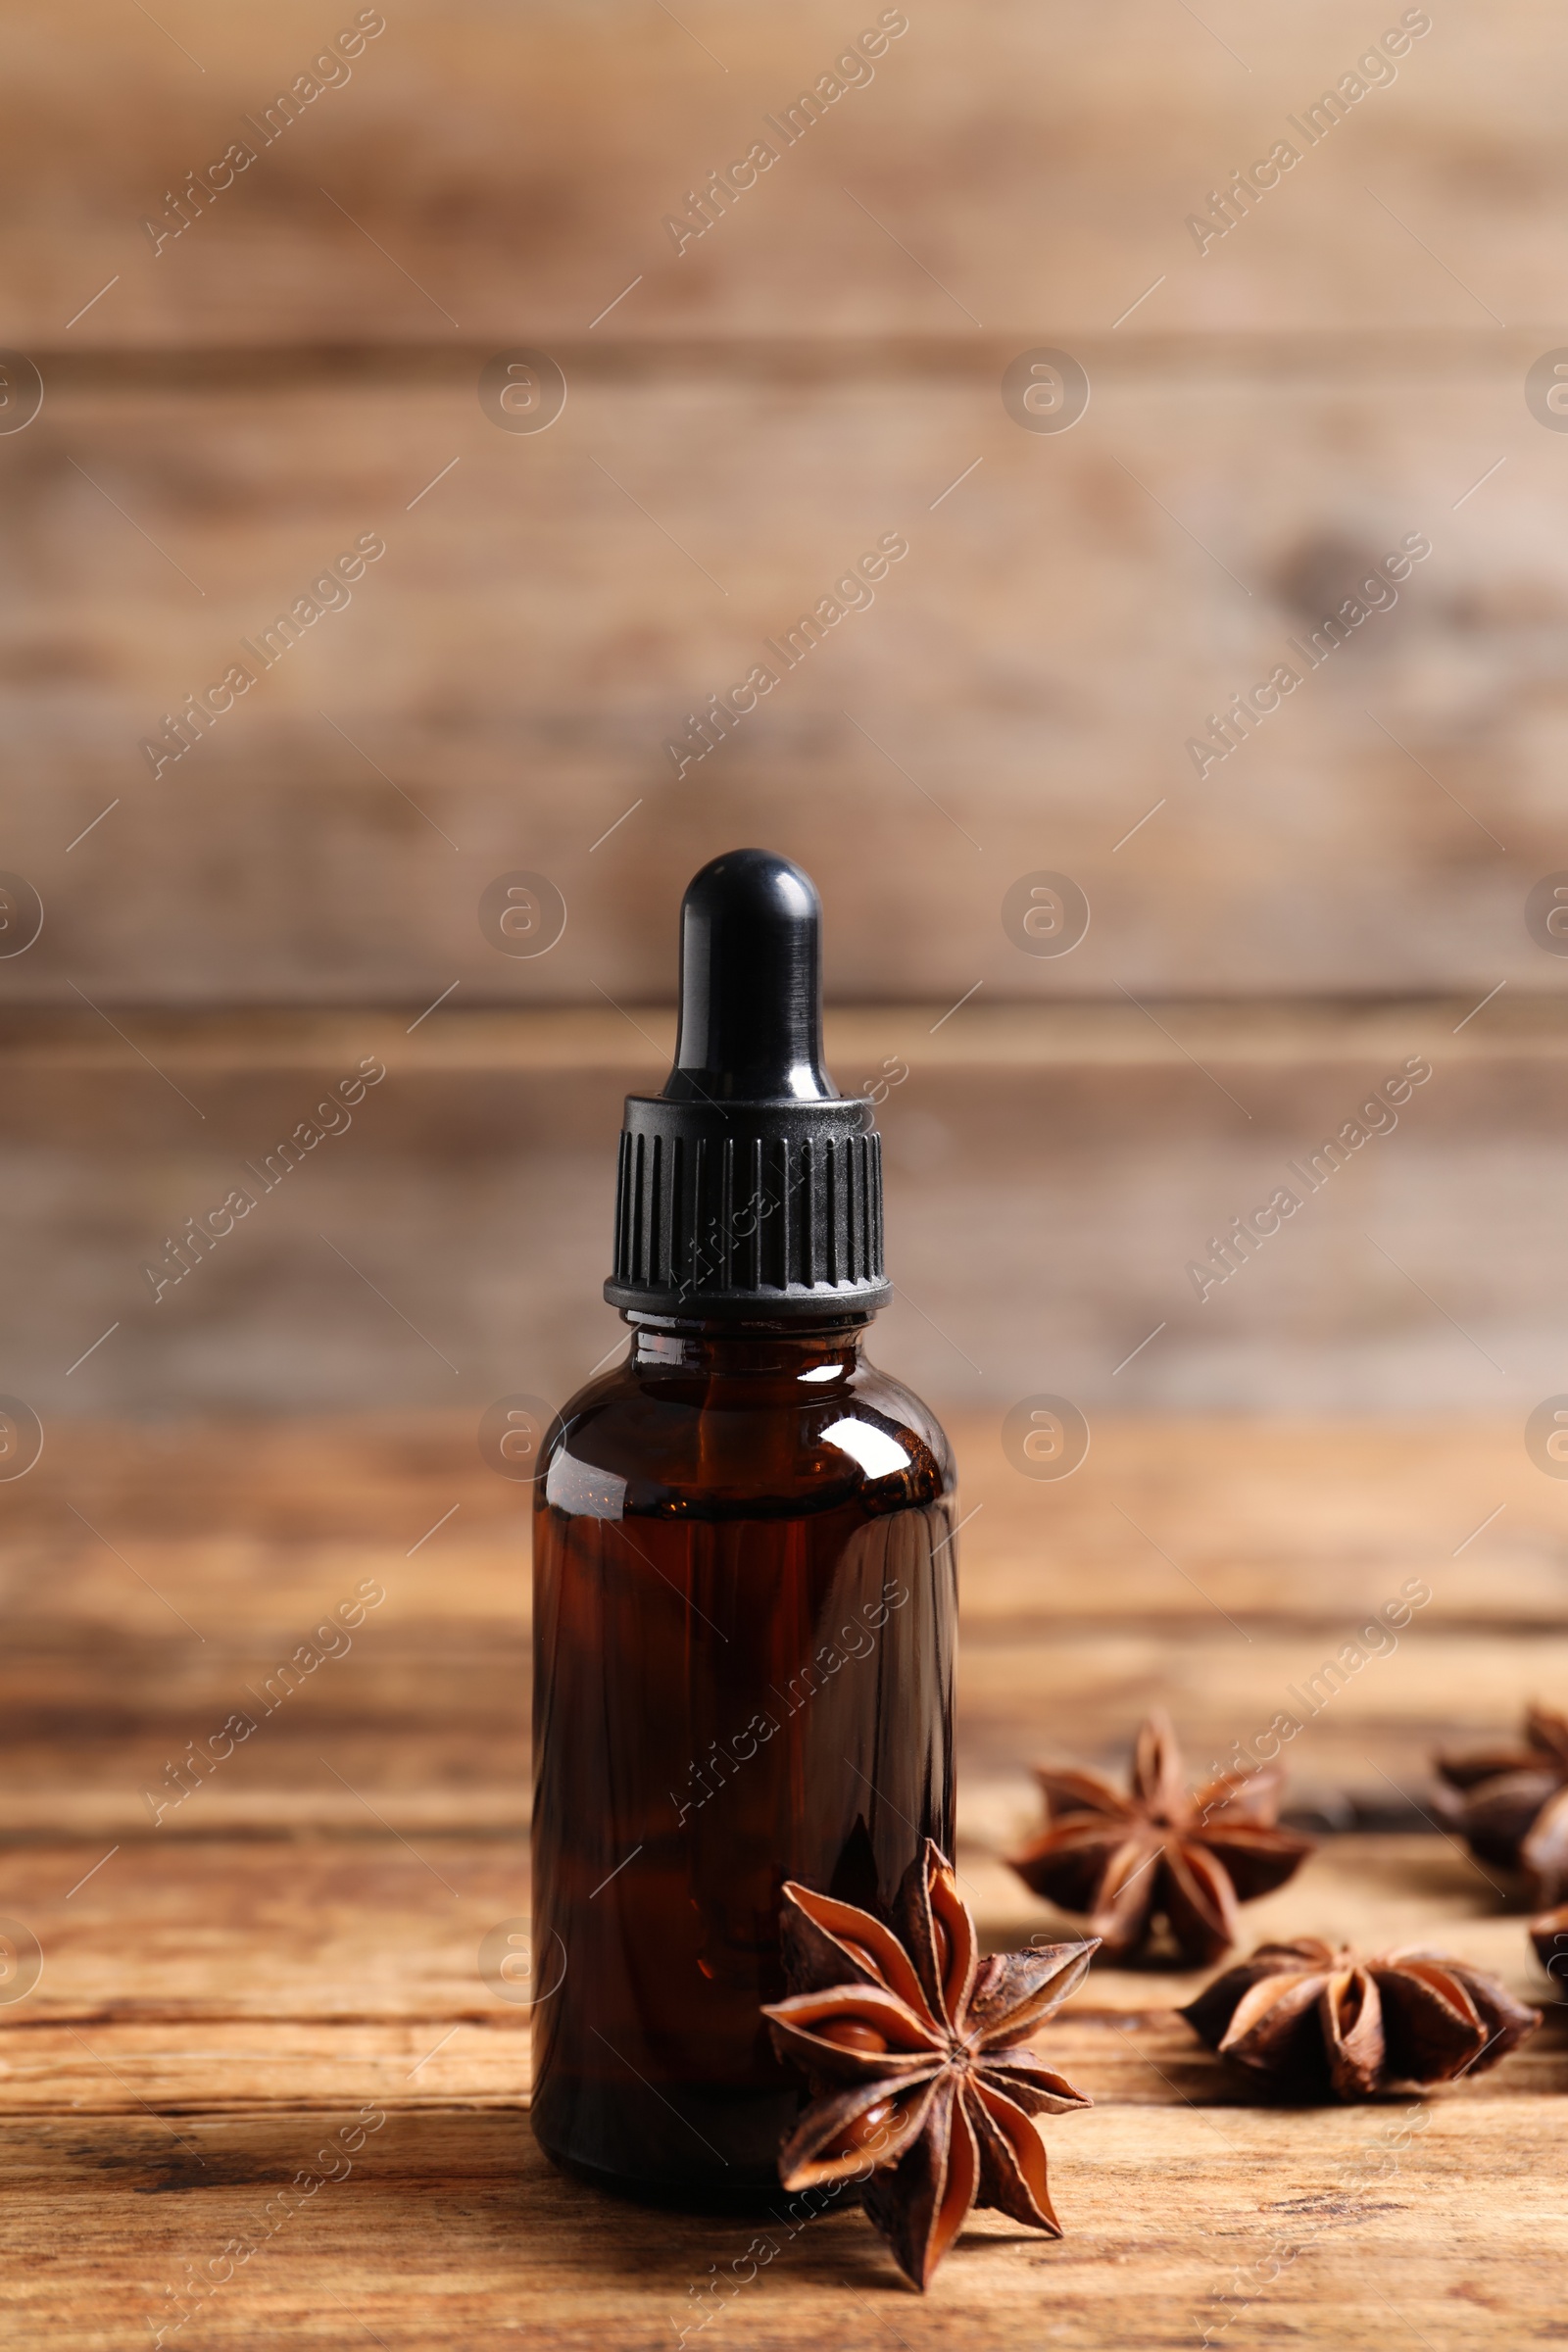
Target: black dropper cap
{"points": [[749, 1187]]}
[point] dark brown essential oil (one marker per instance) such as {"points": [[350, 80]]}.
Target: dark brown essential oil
{"points": [[744, 1584]]}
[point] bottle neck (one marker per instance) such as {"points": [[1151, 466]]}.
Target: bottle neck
{"points": [[731, 1350]]}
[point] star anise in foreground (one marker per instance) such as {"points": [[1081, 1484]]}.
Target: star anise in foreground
{"points": [[913, 2049], [1188, 1856], [1315, 2022], [1510, 1802]]}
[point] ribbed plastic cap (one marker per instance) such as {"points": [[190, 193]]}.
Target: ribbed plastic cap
{"points": [[749, 1187]]}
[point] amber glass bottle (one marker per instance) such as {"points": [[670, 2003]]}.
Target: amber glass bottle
{"points": [[744, 1584]]}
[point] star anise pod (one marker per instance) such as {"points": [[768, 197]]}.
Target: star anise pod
{"points": [[913, 2049], [1313, 2021], [1162, 1851], [1510, 1802]]}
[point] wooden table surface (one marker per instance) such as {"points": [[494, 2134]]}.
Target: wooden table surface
{"points": [[277, 1977]]}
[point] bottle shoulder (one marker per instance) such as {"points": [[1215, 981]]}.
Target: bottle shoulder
{"points": [[634, 1442]]}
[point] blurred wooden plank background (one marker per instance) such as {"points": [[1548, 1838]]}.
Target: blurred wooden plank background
{"points": [[501, 689], [227, 410], [1041, 167], [1050, 1181]]}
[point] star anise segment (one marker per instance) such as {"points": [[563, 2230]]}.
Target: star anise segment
{"points": [[1509, 1802], [914, 2048], [1313, 2020], [1160, 1851]]}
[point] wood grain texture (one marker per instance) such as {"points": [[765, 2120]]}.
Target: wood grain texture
{"points": [[1215, 1567], [225, 2003], [517, 167], [500, 692], [452, 2231], [138, 2146], [301, 363], [1041, 1223], [227, 1986], [368, 1940]]}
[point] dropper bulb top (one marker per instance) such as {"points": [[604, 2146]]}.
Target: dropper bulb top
{"points": [[751, 985]]}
